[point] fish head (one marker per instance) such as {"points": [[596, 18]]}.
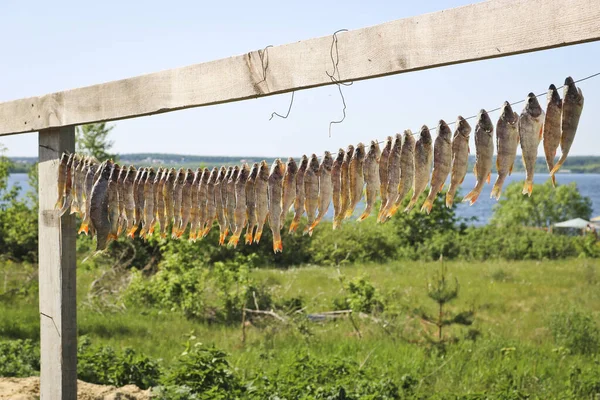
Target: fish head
{"points": [[189, 177], [462, 127], [277, 170], [122, 173], [205, 175], [484, 122], [151, 175], [340, 156], [158, 176], [425, 135], [349, 153], [507, 113], [303, 163], [243, 175], [131, 174], [443, 131], [571, 92], [64, 158], [359, 151], [313, 163], [70, 160], [291, 167], [180, 179], [532, 106], [408, 136], [254, 171], [234, 174], [327, 161], [553, 96], [263, 172], [106, 171], [76, 161], [396, 144], [114, 173], [222, 173], [214, 173]]}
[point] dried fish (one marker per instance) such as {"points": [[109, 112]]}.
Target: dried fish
{"points": [[168, 192], [325, 189], [530, 133], [159, 201], [407, 170], [460, 158], [62, 180], [484, 153], [357, 179], [300, 194], [128, 197], [262, 199], [344, 187], [220, 204], [251, 203], [99, 219], [240, 212], [336, 182], [383, 169], [393, 174], [230, 210], [423, 163], [211, 205], [113, 202], [88, 185], [148, 222], [442, 163], [311, 191], [275, 190], [507, 141], [177, 199], [186, 202], [371, 173], [551, 133], [68, 186], [289, 188]]}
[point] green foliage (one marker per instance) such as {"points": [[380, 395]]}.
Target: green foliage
{"points": [[576, 331], [92, 140], [545, 207], [206, 371], [103, 365], [19, 358], [361, 296]]}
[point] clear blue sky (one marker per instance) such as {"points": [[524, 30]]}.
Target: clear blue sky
{"points": [[52, 46]]}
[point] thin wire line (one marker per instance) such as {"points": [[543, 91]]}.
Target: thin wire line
{"points": [[512, 104], [335, 62], [288, 111]]}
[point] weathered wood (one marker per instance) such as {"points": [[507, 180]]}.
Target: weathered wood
{"points": [[57, 266], [475, 32]]}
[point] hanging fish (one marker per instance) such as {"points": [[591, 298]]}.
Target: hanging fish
{"points": [[211, 205], [423, 163], [442, 163], [530, 133], [572, 106], [220, 205], [159, 201], [195, 211], [138, 193], [231, 198], [177, 199], [371, 174], [79, 185], [507, 141], [186, 202], [240, 215], [484, 154], [99, 219], [68, 186], [407, 170], [88, 185], [113, 202], [551, 133], [275, 191], [251, 203], [77, 161], [129, 198], [393, 174], [224, 198], [122, 224], [300, 194], [336, 182], [168, 192], [262, 199], [357, 179], [383, 169], [311, 191], [289, 188], [460, 158], [148, 212], [325, 189], [344, 187], [62, 180]]}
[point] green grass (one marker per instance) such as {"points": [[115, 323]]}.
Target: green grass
{"points": [[513, 302]]}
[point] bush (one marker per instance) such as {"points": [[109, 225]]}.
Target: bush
{"points": [[575, 331], [103, 365], [361, 296], [203, 370], [19, 358]]}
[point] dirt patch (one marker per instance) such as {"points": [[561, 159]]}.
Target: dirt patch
{"points": [[29, 389]]}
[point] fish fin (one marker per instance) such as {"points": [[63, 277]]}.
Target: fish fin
{"points": [[293, 227], [489, 178], [84, 228], [314, 225], [511, 169], [553, 178], [192, 236], [449, 200], [528, 188], [131, 232], [392, 211], [306, 230], [222, 238], [112, 236], [257, 236], [411, 204], [472, 196], [462, 180], [249, 237], [277, 246], [348, 214], [59, 204], [468, 149], [233, 241], [496, 190], [558, 165], [427, 206], [163, 235], [205, 231], [363, 216], [541, 132]]}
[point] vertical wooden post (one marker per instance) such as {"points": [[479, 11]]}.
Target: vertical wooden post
{"points": [[57, 274]]}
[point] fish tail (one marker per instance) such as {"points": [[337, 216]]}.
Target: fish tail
{"points": [[427, 205], [84, 228], [559, 164], [314, 225], [112, 236], [473, 195], [497, 189], [222, 238], [131, 232], [192, 236], [59, 204], [553, 178], [450, 197], [277, 244], [257, 235], [527, 188], [293, 226], [393, 211], [411, 203], [233, 241], [349, 213], [365, 213], [248, 238]]}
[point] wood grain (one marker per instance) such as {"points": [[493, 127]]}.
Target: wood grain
{"points": [[479, 31], [57, 277]]}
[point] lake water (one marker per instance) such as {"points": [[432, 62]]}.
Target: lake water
{"points": [[588, 185]]}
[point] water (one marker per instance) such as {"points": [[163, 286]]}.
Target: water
{"points": [[588, 185]]}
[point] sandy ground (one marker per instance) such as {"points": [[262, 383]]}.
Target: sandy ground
{"points": [[29, 389]]}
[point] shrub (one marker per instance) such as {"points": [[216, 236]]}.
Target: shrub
{"points": [[576, 331], [103, 365], [361, 296], [19, 358]]}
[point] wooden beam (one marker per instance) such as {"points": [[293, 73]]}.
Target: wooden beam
{"points": [[57, 274], [479, 31]]}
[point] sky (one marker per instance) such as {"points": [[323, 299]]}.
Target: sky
{"points": [[58, 45]]}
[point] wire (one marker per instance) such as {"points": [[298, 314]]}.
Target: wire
{"points": [[335, 62]]}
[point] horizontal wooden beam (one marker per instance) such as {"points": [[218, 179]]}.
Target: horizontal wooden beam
{"points": [[479, 31]]}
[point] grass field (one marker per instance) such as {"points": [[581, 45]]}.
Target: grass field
{"points": [[514, 303]]}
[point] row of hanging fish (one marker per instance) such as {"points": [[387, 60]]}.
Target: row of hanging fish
{"points": [[114, 200]]}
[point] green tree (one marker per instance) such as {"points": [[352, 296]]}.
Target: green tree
{"points": [[546, 206], [92, 140]]}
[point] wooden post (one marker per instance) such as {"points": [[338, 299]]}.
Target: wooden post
{"points": [[57, 274]]}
